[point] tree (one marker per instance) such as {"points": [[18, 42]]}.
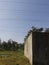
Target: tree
{"points": [[14, 45], [0, 44], [39, 30], [4, 45], [47, 30], [9, 44], [34, 29]]}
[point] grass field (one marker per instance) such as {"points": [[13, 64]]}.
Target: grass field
{"points": [[13, 58]]}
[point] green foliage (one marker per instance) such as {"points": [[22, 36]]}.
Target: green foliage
{"points": [[10, 45]]}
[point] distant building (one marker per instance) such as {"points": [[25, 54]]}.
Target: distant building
{"points": [[36, 48]]}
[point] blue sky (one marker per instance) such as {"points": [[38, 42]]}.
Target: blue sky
{"points": [[18, 16]]}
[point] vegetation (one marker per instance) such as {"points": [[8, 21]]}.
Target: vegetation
{"points": [[34, 29], [10, 45], [47, 30], [12, 53], [13, 58]]}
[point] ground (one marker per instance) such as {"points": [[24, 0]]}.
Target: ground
{"points": [[13, 58]]}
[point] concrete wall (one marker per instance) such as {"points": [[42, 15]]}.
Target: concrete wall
{"points": [[41, 48], [36, 48], [28, 48]]}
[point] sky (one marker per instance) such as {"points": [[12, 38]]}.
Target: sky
{"points": [[18, 16]]}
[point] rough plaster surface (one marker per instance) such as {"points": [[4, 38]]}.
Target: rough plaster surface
{"points": [[28, 48]]}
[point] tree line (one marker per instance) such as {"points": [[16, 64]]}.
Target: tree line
{"points": [[34, 29], [10, 45]]}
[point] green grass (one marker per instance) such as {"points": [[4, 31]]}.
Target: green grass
{"points": [[13, 58]]}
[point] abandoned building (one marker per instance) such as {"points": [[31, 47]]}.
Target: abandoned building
{"points": [[36, 48]]}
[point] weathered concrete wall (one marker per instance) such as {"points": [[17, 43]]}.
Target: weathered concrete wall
{"points": [[37, 48], [41, 48], [28, 48]]}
